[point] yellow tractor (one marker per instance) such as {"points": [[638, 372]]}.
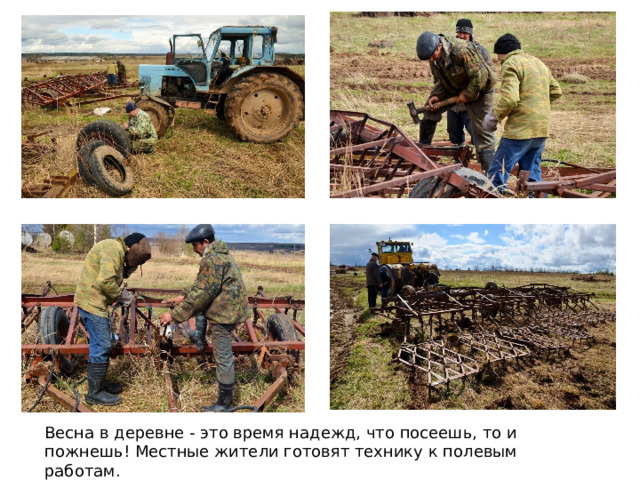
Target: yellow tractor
{"points": [[397, 259]]}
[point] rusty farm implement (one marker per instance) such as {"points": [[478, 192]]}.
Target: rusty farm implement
{"points": [[453, 333], [273, 335]]}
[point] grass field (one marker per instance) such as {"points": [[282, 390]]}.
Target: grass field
{"points": [[579, 48], [364, 375], [144, 388], [199, 158]]}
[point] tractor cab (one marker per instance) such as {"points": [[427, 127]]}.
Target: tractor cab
{"points": [[228, 50], [394, 252]]}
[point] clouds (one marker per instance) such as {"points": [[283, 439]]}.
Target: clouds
{"points": [[142, 34], [585, 248]]}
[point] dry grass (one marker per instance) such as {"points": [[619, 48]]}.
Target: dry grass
{"points": [[199, 158], [193, 379]]}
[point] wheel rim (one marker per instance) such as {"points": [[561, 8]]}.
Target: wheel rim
{"points": [[114, 169], [265, 110]]}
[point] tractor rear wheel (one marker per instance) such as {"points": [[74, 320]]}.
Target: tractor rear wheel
{"points": [[158, 113], [264, 108]]}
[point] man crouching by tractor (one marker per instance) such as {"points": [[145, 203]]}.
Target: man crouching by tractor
{"points": [[140, 129], [105, 267], [218, 295]]}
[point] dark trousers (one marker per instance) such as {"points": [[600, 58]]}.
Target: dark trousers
{"points": [[456, 123], [372, 290]]}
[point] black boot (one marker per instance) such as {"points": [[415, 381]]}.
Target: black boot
{"points": [[96, 374], [111, 387], [486, 159], [427, 131], [199, 335], [225, 398]]}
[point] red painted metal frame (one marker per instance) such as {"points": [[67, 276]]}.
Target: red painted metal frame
{"points": [[274, 355]]}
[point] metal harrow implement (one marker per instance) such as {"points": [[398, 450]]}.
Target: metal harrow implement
{"points": [[273, 334], [369, 157], [460, 331]]}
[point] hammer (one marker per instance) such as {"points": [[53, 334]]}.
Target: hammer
{"points": [[413, 111]]}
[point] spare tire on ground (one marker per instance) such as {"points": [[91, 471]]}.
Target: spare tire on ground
{"points": [[84, 154], [108, 169], [107, 131]]}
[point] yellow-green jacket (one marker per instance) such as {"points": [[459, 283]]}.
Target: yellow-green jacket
{"points": [[527, 90], [101, 277], [218, 292]]}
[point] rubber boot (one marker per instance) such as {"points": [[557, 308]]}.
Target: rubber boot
{"points": [[111, 387], [225, 399], [199, 335], [427, 131], [486, 159], [96, 374]]}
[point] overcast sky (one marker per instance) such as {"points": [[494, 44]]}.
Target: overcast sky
{"points": [[584, 248], [230, 233], [142, 34]]}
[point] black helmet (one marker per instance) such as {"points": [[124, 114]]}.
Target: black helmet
{"points": [[199, 233], [427, 44]]}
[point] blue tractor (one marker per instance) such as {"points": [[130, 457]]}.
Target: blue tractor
{"points": [[233, 75]]}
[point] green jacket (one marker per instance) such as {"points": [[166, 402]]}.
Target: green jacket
{"points": [[461, 69], [100, 281], [527, 90], [141, 127], [218, 291]]}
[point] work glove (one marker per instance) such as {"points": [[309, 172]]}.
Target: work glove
{"points": [[490, 122], [126, 297]]}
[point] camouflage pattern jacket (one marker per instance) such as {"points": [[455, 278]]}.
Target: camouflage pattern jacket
{"points": [[218, 291], [461, 69], [100, 281], [527, 90], [141, 126]]}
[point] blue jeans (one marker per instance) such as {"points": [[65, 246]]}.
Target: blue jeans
{"points": [[112, 80], [99, 336], [456, 123], [527, 153]]}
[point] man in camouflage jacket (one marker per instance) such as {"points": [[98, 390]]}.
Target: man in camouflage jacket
{"points": [[140, 129], [459, 71], [526, 93], [99, 285], [219, 296]]}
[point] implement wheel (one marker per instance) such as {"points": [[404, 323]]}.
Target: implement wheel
{"points": [[428, 187], [53, 327], [264, 108], [281, 328]]}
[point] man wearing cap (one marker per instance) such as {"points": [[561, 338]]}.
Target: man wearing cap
{"points": [[219, 296], [140, 128], [459, 71], [105, 267], [526, 93], [457, 116], [122, 72], [374, 280]]}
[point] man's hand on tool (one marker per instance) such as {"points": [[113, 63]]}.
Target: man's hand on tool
{"points": [[165, 319], [432, 101], [174, 300], [126, 297], [490, 122], [462, 98]]}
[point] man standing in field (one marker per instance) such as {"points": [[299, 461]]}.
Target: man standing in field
{"points": [[112, 72], [457, 116], [220, 295], [527, 90], [140, 129], [122, 73], [459, 71], [105, 267], [374, 280]]}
